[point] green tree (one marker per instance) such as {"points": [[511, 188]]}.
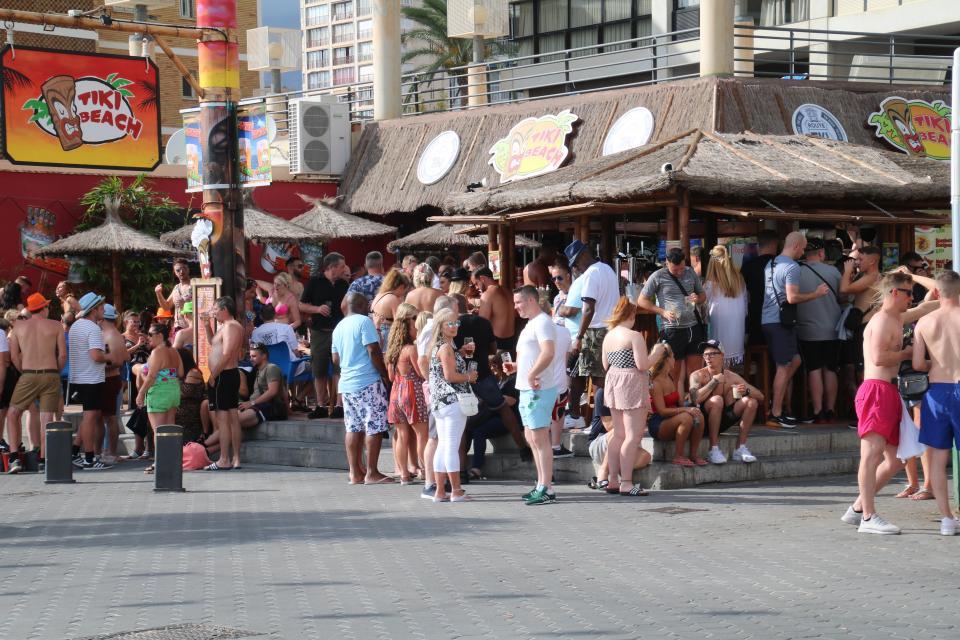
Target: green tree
{"points": [[439, 53], [145, 210]]}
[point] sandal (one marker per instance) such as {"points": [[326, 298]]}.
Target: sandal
{"points": [[908, 491], [636, 491], [216, 467], [923, 494], [603, 484], [683, 462], [149, 470], [593, 483], [700, 462]]}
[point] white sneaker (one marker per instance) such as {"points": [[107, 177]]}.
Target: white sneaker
{"points": [[852, 517], [742, 454], [948, 527], [716, 456], [574, 423], [876, 524]]}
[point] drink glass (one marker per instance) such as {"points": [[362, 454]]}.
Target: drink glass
{"points": [[469, 346], [505, 357], [472, 366], [737, 393]]}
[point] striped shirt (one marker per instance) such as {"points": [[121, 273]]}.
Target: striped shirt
{"points": [[84, 336]]}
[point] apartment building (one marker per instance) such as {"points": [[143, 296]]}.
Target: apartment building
{"points": [[175, 92]]}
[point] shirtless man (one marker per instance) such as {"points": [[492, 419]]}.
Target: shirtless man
{"points": [[537, 273], [38, 349], [116, 350], [878, 404], [936, 349], [223, 390], [861, 285], [725, 399], [295, 269], [496, 305]]}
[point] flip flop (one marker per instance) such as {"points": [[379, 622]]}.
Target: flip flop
{"points": [[923, 494], [683, 462], [216, 467], [908, 491], [149, 470], [636, 492], [383, 480], [700, 462]]}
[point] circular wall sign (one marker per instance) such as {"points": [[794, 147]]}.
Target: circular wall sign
{"points": [[438, 157], [814, 120], [632, 129]]}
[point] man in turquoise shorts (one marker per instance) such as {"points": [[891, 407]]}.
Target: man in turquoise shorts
{"points": [[537, 387]]}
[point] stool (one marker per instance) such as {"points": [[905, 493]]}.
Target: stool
{"points": [[757, 353]]}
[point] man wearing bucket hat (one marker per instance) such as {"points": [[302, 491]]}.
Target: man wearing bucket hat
{"points": [[38, 350], [116, 350], [88, 362]]}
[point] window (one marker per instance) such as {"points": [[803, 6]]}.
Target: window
{"points": [[364, 52], [342, 33], [318, 80], [614, 10], [318, 37], [318, 59], [366, 73], [585, 13], [365, 30], [342, 10], [686, 15], [188, 9], [313, 16], [344, 75], [343, 55], [364, 7], [186, 89], [521, 19], [553, 15]]}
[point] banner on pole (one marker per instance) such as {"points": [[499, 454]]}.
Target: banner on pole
{"points": [[254, 145], [194, 149]]}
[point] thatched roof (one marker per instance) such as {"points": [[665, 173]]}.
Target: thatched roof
{"points": [[258, 226], [336, 224], [738, 167], [112, 237], [442, 236], [381, 176]]}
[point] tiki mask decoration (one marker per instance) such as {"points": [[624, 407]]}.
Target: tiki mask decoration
{"points": [[59, 93]]}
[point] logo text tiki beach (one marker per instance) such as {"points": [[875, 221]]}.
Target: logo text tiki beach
{"points": [[533, 147], [916, 127]]}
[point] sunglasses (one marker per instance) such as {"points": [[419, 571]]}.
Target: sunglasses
{"points": [[712, 354], [453, 324]]}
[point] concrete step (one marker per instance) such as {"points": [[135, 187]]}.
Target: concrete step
{"points": [[315, 431], [315, 455]]}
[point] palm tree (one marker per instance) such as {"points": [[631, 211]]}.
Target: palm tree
{"points": [[441, 53]]}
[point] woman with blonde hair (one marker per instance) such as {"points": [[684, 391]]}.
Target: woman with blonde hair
{"points": [[668, 420], [449, 377], [626, 392], [407, 408], [281, 293], [424, 295], [384, 306], [726, 305]]}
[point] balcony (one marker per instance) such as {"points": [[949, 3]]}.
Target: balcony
{"points": [[342, 13], [365, 56], [342, 60], [365, 34]]}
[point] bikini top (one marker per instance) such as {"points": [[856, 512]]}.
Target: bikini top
{"points": [[621, 359]]}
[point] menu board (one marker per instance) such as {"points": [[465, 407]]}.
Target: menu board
{"points": [[205, 293]]}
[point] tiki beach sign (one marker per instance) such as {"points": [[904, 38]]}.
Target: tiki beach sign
{"points": [[916, 127], [533, 147], [80, 110]]}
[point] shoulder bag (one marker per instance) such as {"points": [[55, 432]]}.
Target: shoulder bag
{"points": [[788, 312], [696, 308]]}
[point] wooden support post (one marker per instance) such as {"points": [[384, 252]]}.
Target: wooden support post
{"points": [[511, 250], [683, 222], [709, 242], [506, 262], [607, 240], [583, 229], [906, 238], [673, 232]]}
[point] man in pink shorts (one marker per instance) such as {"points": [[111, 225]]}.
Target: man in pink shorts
{"points": [[878, 404]]}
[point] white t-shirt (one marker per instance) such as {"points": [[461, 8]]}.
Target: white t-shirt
{"points": [[85, 335], [4, 344], [561, 349], [423, 339], [601, 284], [538, 329], [270, 333]]}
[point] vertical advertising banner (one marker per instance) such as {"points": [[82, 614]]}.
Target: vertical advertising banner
{"points": [[80, 110], [194, 150], [254, 145]]}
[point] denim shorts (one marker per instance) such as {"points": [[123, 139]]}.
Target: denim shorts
{"points": [[536, 407]]}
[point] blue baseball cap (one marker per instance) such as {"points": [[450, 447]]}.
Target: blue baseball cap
{"points": [[573, 251]]}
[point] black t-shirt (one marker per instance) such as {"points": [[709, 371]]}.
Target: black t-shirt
{"points": [[320, 291], [753, 275], [481, 331]]}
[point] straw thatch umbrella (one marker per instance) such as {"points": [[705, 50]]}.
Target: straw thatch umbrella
{"points": [[336, 224], [443, 236], [258, 226], [113, 238]]}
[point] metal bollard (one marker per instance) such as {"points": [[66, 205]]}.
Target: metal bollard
{"points": [[59, 453], [168, 472]]}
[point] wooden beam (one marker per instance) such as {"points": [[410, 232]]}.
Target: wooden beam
{"points": [[683, 222], [635, 156], [94, 24], [872, 218], [197, 89], [744, 156], [850, 158], [672, 219]]}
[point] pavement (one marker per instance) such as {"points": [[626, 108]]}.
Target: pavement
{"points": [[282, 553]]}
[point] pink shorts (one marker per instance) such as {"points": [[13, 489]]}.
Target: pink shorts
{"points": [[878, 410]]}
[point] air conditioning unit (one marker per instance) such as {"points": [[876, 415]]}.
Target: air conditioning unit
{"points": [[319, 133]]}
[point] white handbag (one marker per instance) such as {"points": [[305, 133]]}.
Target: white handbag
{"points": [[468, 403]]}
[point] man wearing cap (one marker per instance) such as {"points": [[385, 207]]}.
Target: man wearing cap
{"points": [[116, 349], [88, 363], [677, 289], [38, 350], [725, 399], [817, 330], [599, 293]]}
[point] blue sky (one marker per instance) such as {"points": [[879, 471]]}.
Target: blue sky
{"points": [[282, 13]]}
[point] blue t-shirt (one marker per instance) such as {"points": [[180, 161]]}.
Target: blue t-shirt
{"points": [[574, 301], [785, 272], [350, 340]]}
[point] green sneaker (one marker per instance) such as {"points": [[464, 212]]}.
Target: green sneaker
{"points": [[528, 494], [541, 497]]}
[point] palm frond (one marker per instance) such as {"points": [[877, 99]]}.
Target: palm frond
{"points": [[13, 79]]}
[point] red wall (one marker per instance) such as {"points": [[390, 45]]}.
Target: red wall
{"points": [[60, 194]]}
